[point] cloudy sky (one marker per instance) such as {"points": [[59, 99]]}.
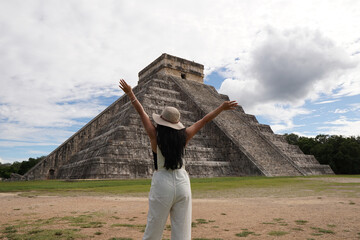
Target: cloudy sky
{"points": [[293, 64]]}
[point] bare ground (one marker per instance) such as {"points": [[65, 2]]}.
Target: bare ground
{"points": [[313, 217]]}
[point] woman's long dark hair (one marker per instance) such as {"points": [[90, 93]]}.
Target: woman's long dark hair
{"points": [[172, 144]]}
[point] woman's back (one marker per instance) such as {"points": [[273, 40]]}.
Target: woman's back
{"points": [[171, 142]]}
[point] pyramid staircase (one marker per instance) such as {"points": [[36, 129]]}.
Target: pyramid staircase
{"points": [[115, 145]]}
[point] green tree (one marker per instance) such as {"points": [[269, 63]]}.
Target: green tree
{"points": [[5, 170], [292, 138], [342, 154], [17, 167]]}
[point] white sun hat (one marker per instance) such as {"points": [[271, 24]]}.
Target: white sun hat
{"points": [[170, 117]]}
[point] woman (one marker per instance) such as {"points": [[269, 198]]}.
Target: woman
{"points": [[170, 191]]}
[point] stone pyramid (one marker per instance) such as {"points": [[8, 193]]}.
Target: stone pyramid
{"points": [[115, 145]]}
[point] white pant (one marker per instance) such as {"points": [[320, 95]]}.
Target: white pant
{"points": [[170, 193]]}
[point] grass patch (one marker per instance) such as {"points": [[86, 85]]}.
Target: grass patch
{"points": [[45, 234], [317, 234], [35, 231], [301, 222], [277, 233], [90, 225], [77, 220], [140, 227], [207, 239], [128, 225], [120, 239], [244, 233], [9, 229], [322, 230], [297, 229], [280, 221], [326, 231], [39, 229], [201, 221]]}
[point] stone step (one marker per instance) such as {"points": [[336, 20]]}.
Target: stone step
{"points": [[208, 163], [275, 137], [250, 118], [263, 128], [288, 148], [301, 159], [317, 169], [162, 83], [155, 99], [103, 167], [163, 92]]}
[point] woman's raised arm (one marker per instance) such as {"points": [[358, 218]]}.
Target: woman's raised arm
{"points": [[149, 127], [193, 129]]}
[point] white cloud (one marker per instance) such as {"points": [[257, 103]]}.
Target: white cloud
{"points": [[14, 134], [38, 152], [283, 71], [287, 65], [280, 116], [341, 110], [352, 108], [10, 160], [346, 84], [4, 161], [326, 102], [305, 134], [343, 126], [32, 142]]}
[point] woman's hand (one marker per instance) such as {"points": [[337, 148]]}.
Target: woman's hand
{"points": [[124, 86], [229, 105]]}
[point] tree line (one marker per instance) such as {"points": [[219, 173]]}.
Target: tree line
{"points": [[18, 167], [342, 154]]}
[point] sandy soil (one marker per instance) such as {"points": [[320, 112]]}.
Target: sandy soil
{"points": [[321, 217]]}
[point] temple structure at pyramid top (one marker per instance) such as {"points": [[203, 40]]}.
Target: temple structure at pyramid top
{"points": [[115, 145], [167, 65]]}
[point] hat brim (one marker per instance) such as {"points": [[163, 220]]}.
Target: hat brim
{"points": [[157, 118]]}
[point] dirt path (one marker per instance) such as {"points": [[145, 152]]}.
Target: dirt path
{"points": [[106, 217]]}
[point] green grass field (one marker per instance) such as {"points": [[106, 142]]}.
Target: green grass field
{"points": [[201, 187]]}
